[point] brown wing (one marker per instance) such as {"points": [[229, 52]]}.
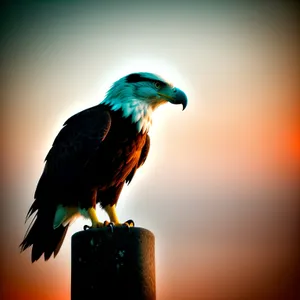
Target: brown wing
{"points": [[81, 136]]}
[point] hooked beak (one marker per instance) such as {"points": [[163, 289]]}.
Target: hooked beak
{"points": [[177, 97]]}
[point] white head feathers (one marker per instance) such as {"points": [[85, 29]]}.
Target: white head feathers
{"points": [[137, 95]]}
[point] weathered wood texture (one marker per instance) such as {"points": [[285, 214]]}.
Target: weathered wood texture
{"points": [[113, 264]]}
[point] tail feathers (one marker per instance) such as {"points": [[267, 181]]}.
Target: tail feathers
{"points": [[43, 238]]}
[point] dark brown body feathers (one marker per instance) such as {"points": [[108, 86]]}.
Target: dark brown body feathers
{"points": [[95, 153]]}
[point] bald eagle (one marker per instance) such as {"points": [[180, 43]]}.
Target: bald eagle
{"points": [[96, 152]]}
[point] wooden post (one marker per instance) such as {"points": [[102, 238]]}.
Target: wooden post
{"points": [[113, 263]]}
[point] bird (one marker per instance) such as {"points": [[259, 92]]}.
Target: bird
{"points": [[96, 152]]}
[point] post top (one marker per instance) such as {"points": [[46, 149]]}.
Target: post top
{"points": [[119, 230]]}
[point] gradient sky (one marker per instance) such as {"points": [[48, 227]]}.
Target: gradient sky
{"points": [[220, 188]]}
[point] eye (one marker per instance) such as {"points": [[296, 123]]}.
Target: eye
{"points": [[157, 84]]}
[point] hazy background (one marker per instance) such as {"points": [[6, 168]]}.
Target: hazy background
{"points": [[220, 188]]}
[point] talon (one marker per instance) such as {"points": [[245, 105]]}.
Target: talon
{"points": [[110, 225], [129, 223], [87, 227]]}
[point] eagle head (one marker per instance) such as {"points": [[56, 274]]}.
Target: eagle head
{"points": [[138, 94]]}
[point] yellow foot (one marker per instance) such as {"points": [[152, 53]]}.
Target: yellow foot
{"points": [[128, 223], [111, 225], [97, 225], [94, 225], [114, 220]]}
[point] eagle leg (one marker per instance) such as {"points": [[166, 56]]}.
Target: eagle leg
{"points": [[93, 216], [114, 220]]}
